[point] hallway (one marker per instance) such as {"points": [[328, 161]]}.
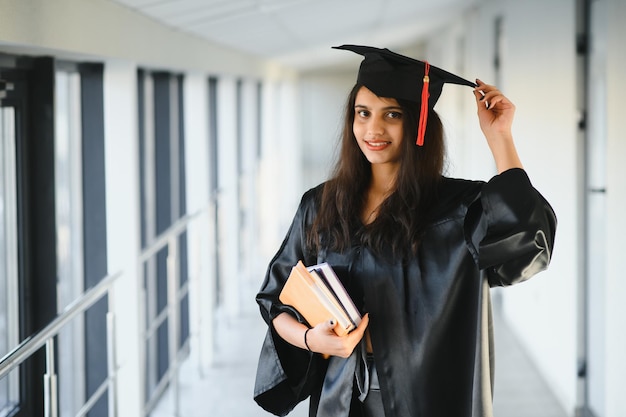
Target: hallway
{"points": [[152, 150]]}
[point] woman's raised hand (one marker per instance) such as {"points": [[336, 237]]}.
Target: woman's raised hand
{"points": [[495, 115], [495, 111]]}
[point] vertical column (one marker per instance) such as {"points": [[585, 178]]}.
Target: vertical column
{"points": [[123, 229], [200, 233], [268, 172], [290, 153], [249, 131], [280, 164], [228, 199]]}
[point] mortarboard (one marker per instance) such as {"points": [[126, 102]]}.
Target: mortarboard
{"points": [[388, 74]]}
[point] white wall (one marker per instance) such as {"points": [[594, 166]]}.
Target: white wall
{"points": [[323, 96], [615, 310], [468, 155]]}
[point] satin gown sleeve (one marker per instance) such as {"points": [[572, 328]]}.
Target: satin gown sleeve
{"points": [[510, 229]]}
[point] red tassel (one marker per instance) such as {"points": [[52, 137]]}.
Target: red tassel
{"points": [[421, 129]]}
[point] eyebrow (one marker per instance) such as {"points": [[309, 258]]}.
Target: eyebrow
{"points": [[362, 106]]}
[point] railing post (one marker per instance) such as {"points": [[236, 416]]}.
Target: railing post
{"points": [[173, 319], [111, 358], [201, 295], [50, 382], [142, 365], [208, 285]]}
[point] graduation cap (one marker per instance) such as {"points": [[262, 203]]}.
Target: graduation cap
{"points": [[388, 74]]}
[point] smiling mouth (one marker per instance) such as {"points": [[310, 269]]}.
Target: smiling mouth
{"points": [[377, 143]]}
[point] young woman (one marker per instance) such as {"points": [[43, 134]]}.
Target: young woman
{"points": [[417, 252]]}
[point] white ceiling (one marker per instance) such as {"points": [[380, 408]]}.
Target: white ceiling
{"points": [[300, 32]]}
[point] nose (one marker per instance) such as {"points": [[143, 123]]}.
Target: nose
{"points": [[375, 127]]}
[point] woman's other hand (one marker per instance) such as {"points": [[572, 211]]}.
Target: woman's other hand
{"points": [[323, 339]]}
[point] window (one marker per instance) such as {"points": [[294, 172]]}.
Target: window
{"points": [[28, 261], [9, 394], [214, 179], [80, 225], [69, 225], [162, 187]]}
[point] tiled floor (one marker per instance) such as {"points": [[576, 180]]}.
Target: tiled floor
{"points": [[226, 390], [520, 391]]}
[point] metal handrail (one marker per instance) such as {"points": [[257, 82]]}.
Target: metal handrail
{"points": [[169, 239], [35, 342], [45, 337]]}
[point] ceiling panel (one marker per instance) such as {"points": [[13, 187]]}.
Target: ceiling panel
{"points": [[259, 35], [284, 29], [187, 13], [318, 22]]}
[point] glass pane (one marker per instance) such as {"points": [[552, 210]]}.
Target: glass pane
{"points": [[68, 190], [9, 319], [148, 186]]}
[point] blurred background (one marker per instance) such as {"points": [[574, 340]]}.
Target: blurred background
{"points": [[153, 153]]}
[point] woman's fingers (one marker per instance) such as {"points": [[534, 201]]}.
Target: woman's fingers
{"points": [[323, 339], [364, 322], [483, 88], [490, 97], [358, 332]]}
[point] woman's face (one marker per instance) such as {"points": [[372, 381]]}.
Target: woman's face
{"points": [[378, 127]]}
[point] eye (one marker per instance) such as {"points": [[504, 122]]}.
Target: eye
{"points": [[394, 115], [362, 113]]}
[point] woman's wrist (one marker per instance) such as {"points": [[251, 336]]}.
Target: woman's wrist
{"points": [[504, 153], [290, 330]]}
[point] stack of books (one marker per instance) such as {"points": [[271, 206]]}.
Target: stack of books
{"points": [[318, 295]]}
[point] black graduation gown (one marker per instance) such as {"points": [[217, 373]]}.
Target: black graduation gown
{"points": [[430, 316]]}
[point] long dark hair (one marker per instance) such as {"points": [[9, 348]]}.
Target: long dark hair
{"points": [[404, 214]]}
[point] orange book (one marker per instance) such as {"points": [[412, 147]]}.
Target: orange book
{"points": [[318, 295]]}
